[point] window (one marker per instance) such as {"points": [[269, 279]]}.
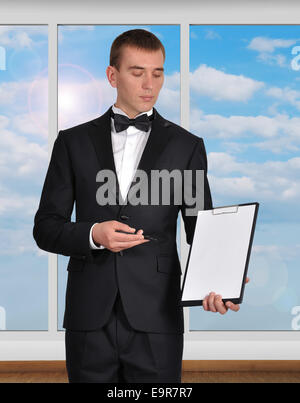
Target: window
{"points": [[23, 156], [84, 92], [245, 100], [32, 283]]}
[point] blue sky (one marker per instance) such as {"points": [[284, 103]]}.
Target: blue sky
{"points": [[245, 102]]}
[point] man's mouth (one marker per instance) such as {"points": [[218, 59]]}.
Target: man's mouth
{"points": [[147, 98]]}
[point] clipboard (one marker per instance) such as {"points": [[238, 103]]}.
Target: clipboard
{"points": [[219, 256]]}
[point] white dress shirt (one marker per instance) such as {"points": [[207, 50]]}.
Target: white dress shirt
{"points": [[128, 146]]}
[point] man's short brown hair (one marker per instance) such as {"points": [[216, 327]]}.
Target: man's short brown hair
{"points": [[138, 38]]}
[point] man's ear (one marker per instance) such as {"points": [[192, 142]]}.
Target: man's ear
{"points": [[111, 76]]}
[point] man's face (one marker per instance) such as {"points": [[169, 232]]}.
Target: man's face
{"points": [[141, 75]]}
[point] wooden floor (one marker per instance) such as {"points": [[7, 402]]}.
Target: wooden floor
{"points": [[244, 376], [193, 371], [187, 377]]}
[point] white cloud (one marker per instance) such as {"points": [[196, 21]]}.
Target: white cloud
{"points": [[12, 92], [278, 133], [222, 162], [20, 158], [24, 123], [270, 181], [18, 40], [26, 103], [18, 241], [220, 86], [236, 126], [172, 82], [233, 147], [19, 37], [285, 95], [278, 59], [269, 45], [211, 35], [280, 145], [19, 204], [4, 121], [232, 186], [169, 98], [169, 104], [266, 48], [71, 28]]}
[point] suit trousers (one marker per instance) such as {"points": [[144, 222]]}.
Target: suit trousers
{"points": [[120, 354]]}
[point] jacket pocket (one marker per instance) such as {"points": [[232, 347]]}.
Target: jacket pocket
{"points": [[169, 264], [75, 264]]}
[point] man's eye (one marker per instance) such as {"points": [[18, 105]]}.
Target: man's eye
{"points": [[140, 75]]}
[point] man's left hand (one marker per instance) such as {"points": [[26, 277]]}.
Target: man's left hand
{"points": [[213, 302]]}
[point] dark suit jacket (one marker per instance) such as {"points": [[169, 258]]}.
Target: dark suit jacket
{"points": [[147, 275]]}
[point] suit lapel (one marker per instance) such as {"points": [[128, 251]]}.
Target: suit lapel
{"points": [[100, 134]]}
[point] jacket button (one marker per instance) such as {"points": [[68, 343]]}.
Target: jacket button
{"points": [[124, 217]]}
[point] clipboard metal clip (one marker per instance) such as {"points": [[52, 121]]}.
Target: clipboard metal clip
{"points": [[225, 210]]}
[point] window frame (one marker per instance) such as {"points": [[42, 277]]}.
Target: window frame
{"points": [[203, 345]]}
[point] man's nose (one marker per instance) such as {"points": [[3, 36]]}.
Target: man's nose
{"points": [[148, 82]]}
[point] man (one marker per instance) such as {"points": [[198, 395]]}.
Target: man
{"points": [[123, 318]]}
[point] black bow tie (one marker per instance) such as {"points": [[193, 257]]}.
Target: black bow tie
{"points": [[122, 122]]}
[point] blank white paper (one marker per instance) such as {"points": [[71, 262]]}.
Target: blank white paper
{"points": [[219, 251]]}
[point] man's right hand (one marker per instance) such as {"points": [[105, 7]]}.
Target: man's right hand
{"points": [[105, 234]]}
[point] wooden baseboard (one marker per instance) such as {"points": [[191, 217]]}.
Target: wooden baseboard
{"points": [[32, 366], [187, 366], [240, 365]]}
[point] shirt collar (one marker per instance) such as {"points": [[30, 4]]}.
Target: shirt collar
{"points": [[118, 110]]}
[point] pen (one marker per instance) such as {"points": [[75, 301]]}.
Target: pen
{"points": [[145, 236]]}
